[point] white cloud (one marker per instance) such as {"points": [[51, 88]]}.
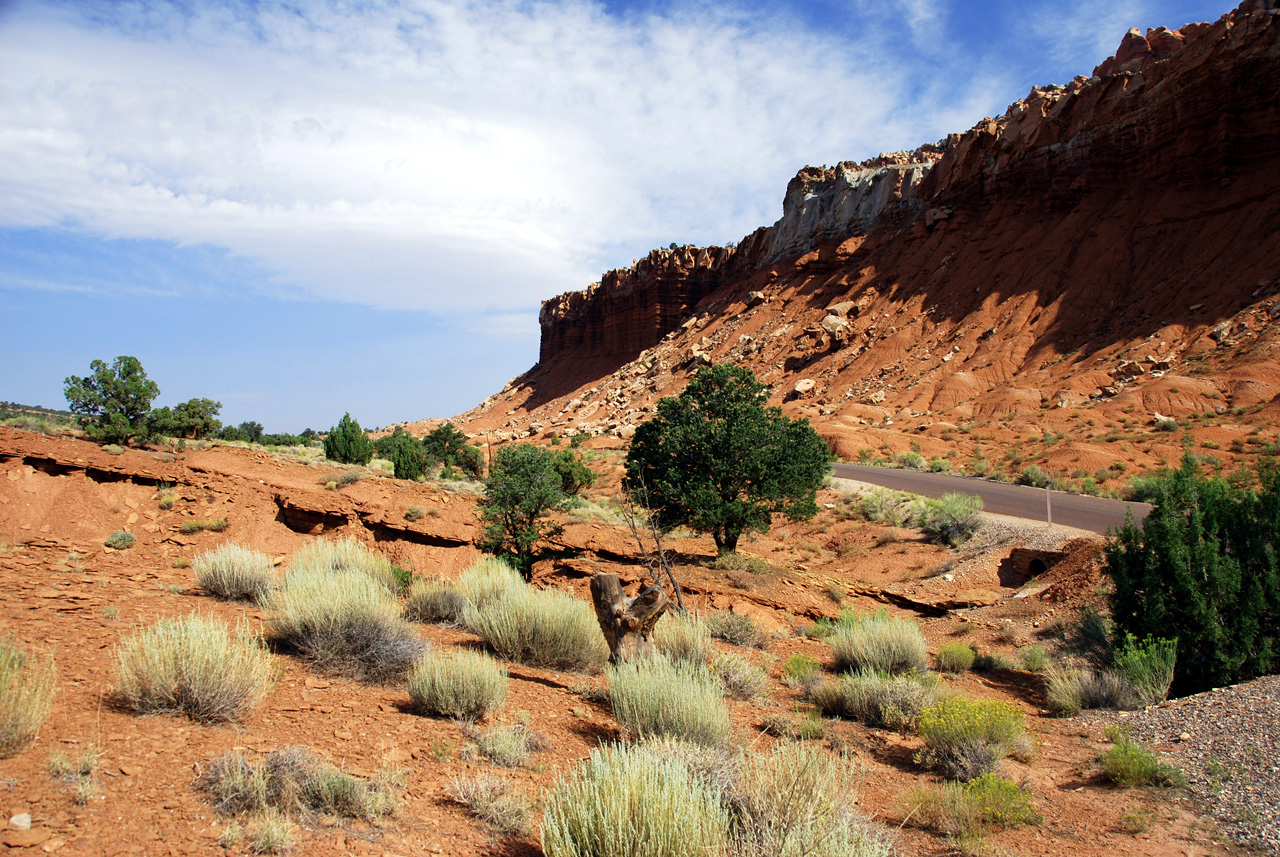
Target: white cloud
{"points": [[444, 155]]}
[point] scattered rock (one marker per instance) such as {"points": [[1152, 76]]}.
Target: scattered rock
{"points": [[21, 821]]}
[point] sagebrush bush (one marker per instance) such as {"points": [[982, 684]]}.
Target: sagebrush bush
{"points": [[1128, 763], [196, 666], [493, 800], [1148, 667], [953, 519], [291, 780], [965, 738], [877, 699], [120, 540], [345, 622], [628, 802], [432, 600], [807, 727], [506, 745], [683, 636], [458, 683], [656, 698], [488, 580], [796, 801], [741, 678], [346, 554], [955, 657], [738, 629], [1069, 691], [234, 572], [542, 628], [415, 513], [27, 685], [879, 642]]}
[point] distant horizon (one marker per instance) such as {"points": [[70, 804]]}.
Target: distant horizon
{"points": [[303, 212]]}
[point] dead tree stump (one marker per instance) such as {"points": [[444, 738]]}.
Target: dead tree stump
{"points": [[627, 623]]}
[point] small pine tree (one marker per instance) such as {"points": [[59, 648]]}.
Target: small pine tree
{"points": [[1204, 569], [347, 443]]}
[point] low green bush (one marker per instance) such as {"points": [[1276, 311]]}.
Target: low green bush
{"points": [[195, 666], [953, 519], [542, 628], [432, 600], [683, 636], [27, 685], [880, 643], [1127, 763], [737, 629], [799, 668], [414, 513], [965, 738], [345, 622], [955, 657], [626, 801], [507, 746], [891, 508], [1034, 658], [293, 780], [655, 698], [965, 810], [120, 540], [1147, 666], [234, 572], [457, 683], [877, 699], [199, 525]]}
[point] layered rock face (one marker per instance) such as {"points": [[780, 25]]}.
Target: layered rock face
{"points": [[1111, 242]]}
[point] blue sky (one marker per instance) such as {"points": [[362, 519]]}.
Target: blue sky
{"points": [[302, 209]]}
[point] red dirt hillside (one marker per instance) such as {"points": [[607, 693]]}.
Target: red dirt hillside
{"points": [[1099, 258]]}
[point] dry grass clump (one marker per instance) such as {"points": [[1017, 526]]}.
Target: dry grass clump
{"points": [[1128, 763], [488, 580], [195, 666], [656, 698], [955, 657], [507, 745], [344, 621], [808, 726], [965, 738], [887, 701], [741, 678], [683, 636], [879, 642], [234, 572], [294, 781], [493, 800], [199, 525], [1068, 692], [738, 630], [458, 683], [433, 600], [26, 693], [628, 802], [346, 555], [542, 628]]}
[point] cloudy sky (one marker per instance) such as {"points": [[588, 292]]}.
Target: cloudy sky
{"points": [[310, 207]]}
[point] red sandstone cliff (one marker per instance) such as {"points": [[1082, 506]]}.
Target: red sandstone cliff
{"points": [[1106, 245]]}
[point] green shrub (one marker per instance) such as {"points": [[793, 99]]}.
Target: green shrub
{"points": [[1202, 570], [965, 738], [26, 694], [541, 628], [955, 657], [1033, 658], [799, 669], [953, 519], [433, 600], [965, 809], [810, 726], [1128, 763], [741, 678], [796, 801], [414, 513], [459, 683], [291, 780], [912, 461], [492, 799], [120, 540], [1068, 692], [1147, 666], [350, 477], [1035, 477], [345, 622], [738, 629], [892, 702], [508, 746], [880, 643], [654, 697], [347, 443], [197, 525], [683, 636], [488, 580], [195, 666], [234, 572], [167, 501], [346, 554], [628, 802], [891, 508]]}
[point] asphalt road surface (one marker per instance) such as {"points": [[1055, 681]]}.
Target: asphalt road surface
{"points": [[1020, 501]]}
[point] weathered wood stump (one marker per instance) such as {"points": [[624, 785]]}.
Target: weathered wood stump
{"points": [[627, 623]]}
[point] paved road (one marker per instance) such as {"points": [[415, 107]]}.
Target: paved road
{"points": [[1020, 501]]}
